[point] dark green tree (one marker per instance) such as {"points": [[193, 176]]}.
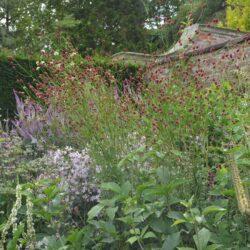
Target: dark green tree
{"points": [[109, 25]]}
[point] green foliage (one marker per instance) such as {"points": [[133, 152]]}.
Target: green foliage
{"points": [[42, 206], [109, 25], [15, 73], [155, 145], [28, 24], [16, 161], [238, 14], [179, 12]]}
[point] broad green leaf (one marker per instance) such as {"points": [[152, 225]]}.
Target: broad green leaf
{"points": [[185, 248], [132, 240], [213, 209], [111, 186], [108, 227], [94, 211], [108, 240], [176, 215], [111, 211], [135, 231], [143, 187], [126, 188], [127, 220], [202, 238], [213, 247], [160, 225], [171, 242], [149, 235], [164, 189], [163, 174], [108, 203], [143, 231], [199, 219]]}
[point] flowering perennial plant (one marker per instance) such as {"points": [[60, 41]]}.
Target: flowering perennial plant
{"points": [[77, 173]]}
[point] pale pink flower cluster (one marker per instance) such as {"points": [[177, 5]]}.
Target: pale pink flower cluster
{"points": [[77, 173]]}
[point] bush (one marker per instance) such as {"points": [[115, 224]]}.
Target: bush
{"points": [[15, 74]]}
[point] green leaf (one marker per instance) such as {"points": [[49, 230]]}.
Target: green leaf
{"points": [[160, 154], [111, 186], [199, 219], [177, 222], [188, 203], [12, 244], [108, 203], [175, 215], [163, 174], [202, 238], [144, 230], [132, 240], [213, 209], [127, 220], [243, 162], [160, 225], [213, 247], [108, 240], [135, 231], [171, 242], [164, 189], [185, 248], [126, 188], [111, 211], [177, 153], [94, 211], [149, 235], [108, 227]]}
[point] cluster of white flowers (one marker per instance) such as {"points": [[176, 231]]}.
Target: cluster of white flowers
{"points": [[77, 173]]}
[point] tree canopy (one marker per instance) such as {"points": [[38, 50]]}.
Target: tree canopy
{"points": [[107, 26]]}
